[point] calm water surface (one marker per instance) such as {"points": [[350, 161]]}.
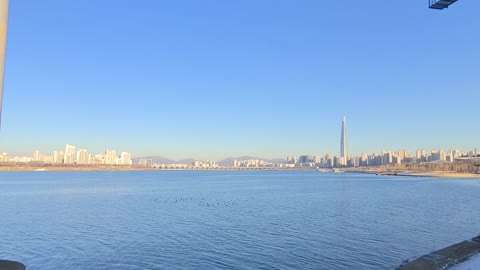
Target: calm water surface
{"points": [[229, 220]]}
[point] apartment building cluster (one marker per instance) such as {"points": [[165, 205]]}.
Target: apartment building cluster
{"points": [[82, 157], [252, 163], [205, 164], [386, 157], [194, 164]]}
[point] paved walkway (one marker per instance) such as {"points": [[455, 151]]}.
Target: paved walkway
{"points": [[471, 264]]}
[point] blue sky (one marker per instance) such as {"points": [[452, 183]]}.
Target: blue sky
{"points": [[212, 79]]}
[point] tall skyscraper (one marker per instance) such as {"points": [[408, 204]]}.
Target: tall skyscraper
{"points": [[344, 139], [3, 44]]}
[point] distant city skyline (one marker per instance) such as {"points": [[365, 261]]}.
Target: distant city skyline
{"points": [[225, 79], [344, 156], [341, 158], [79, 157], [384, 156]]}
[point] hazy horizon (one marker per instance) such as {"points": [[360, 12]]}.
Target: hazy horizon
{"points": [[222, 158], [211, 80]]}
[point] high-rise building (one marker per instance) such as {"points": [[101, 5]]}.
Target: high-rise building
{"points": [[4, 157], [58, 157], [344, 139], [305, 159], [110, 157], [125, 158], [37, 156], [69, 154], [82, 157]]}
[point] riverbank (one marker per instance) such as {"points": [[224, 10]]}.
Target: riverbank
{"points": [[452, 175], [373, 170], [436, 169], [70, 168], [436, 174], [445, 258], [441, 174], [126, 168]]}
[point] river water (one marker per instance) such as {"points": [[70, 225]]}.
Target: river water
{"points": [[229, 219]]}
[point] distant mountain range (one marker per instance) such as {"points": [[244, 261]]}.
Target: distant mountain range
{"points": [[155, 159], [225, 162]]}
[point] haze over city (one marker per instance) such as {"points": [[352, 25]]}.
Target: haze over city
{"points": [[81, 156], [215, 79]]}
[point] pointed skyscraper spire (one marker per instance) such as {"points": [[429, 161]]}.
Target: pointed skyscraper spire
{"points": [[344, 139], [3, 46]]}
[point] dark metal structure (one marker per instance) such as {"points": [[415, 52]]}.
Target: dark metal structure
{"points": [[440, 4]]}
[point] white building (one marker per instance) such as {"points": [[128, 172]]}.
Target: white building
{"points": [[58, 157], [125, 158], [110, 157], [69, 157], [82, 157], [4, 158], [38, 156]]}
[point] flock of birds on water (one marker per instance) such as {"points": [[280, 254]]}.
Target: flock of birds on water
{"points": [[203, 200]]}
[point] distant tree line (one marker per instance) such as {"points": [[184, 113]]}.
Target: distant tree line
{"points": [[457, 167]]}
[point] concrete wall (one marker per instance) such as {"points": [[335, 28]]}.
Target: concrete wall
{"points": [[445, 258]]}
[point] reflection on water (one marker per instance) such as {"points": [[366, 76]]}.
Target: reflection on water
{"points": [[229, 220]]}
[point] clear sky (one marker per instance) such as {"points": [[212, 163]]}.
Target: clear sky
{"points": [[213, 79]]}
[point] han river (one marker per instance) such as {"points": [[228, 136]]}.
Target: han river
{"points": [[229, 219]]}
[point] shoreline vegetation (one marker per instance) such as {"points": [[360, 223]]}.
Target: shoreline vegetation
{"points": [[433, 169], [447, 170]]}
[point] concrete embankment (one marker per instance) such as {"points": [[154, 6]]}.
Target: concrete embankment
{"points": [[445, 258]]}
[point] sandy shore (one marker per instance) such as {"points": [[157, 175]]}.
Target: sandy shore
{"points": [[451, 175], [432, 174]]}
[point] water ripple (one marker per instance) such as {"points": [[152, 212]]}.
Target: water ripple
{"points": [[229, 220]]}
